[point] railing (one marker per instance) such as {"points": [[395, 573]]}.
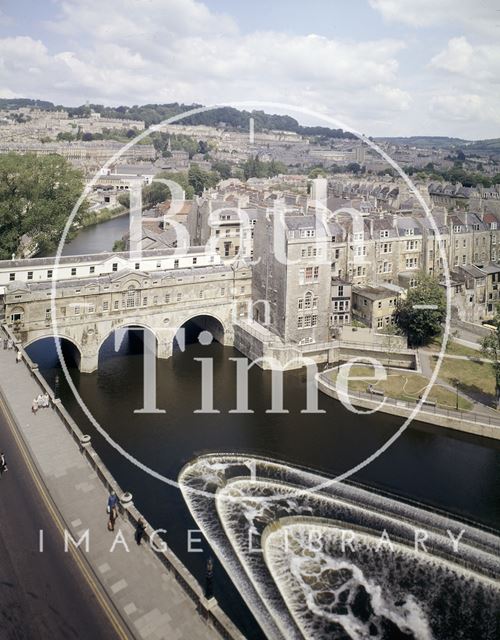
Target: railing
{"points": [[457, 414], [209, 609]]}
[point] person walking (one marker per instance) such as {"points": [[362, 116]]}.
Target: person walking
{"points": [[10, 343], [5, 343], [3, 463], [39, 401], [34, 405], [112, 510], [19, 356], [139, 530]]}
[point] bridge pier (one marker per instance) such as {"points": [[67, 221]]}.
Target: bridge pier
{"points": [[89, 362]]}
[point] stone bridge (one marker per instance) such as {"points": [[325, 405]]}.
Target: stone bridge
{"points": [[89, 310]]}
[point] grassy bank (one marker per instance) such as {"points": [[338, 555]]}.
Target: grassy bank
{"points": [[404, 386]]}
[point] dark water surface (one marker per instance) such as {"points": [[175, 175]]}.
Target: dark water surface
{"points": [[440, 468]]}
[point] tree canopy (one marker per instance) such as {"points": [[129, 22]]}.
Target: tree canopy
{"points": [[37, 195], [421, 325]]}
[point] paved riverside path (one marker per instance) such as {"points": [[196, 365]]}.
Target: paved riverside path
{"points": [[148, 597]]}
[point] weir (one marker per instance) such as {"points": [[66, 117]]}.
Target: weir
{"points": [[235, 498]]}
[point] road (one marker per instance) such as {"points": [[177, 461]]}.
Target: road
{"points": [[42, 595]]}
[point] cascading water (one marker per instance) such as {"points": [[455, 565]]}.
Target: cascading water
{"points": [[297, 591]]}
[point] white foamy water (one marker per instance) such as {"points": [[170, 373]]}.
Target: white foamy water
{"points": [[415, 595]]}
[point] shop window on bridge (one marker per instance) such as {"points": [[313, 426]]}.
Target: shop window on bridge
{"points": [[17, 314]]}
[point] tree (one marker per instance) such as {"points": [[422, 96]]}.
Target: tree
{"points": [[490, 347], [201, 180], [421, 325], [37, 195]]}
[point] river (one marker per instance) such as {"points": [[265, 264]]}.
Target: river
{"points": [[443, 469], [97, 237]]}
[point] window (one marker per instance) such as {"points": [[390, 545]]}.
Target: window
{"points": [[137, 265], [77, 310], [49, 273], [300, 322], [12, 277], [379, 323], [384, 233], [30, 275], [386, 248], [115, 305], [47, 314], [409, 232], [91, 269], [200, 294], [341, 290], [91, 308], [176, 264], [179, 297], [158, 265], [115, 266], [73, 271], [411, 263], [195, 260], [223, 291], [380, 304], [301, 304], [105, 305], [307, 233], [167, 298], [455, 262], [411, 245], [358, 236], [131, 298], [145, 301]]}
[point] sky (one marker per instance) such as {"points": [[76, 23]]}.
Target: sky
{"points": [[381, 67]]}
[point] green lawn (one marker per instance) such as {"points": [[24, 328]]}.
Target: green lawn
{"points": [[454, 349], [404, 385], [476, 379]]}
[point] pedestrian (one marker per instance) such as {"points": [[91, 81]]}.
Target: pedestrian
{"points": [[111, 521], [10, 343], [39, 401], [139, 530], [19, 356], [5, 343], [45, 400], [3, 463], [112, 508], [34, 405]]}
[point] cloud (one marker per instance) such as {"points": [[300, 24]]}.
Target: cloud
{"points": [[481, 62], [478, 16], [178, 50]]}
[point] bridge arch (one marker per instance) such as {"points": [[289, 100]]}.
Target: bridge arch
{"points": [[190, 328], [71, 350], [106, 348]]}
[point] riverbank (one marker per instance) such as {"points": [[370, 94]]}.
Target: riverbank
{"points": [[92, 218], [150, 588], [481, 425]]}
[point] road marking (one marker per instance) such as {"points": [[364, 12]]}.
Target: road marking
{"points": [[116, 623]]}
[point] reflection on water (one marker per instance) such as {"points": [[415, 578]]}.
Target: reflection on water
{"points": [[455, 472], [97, 238]]}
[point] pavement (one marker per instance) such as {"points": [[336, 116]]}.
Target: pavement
{"points": [[97, 594]]}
